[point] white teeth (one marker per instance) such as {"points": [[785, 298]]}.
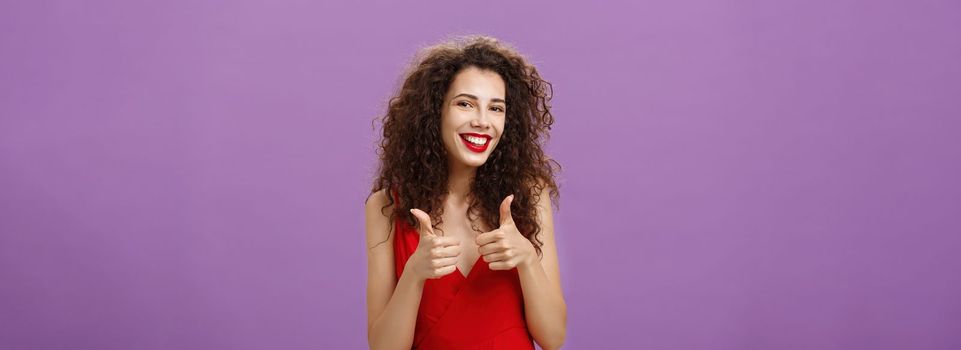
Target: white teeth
{"points": [[479, 141]]}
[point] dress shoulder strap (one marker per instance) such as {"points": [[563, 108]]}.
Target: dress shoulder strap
{"points": [[396, 196]]}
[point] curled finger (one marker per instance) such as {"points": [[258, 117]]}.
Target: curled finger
{"points": [[445, 252]]}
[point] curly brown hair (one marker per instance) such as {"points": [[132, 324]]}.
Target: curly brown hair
{"points": [[413, 160]]}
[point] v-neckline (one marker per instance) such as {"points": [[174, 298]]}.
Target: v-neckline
{"points": [[472, 268]]}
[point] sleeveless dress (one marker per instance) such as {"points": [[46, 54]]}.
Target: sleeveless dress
{"points": [[483, 310]]}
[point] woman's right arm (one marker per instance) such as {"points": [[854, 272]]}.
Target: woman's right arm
{"points": [[391, 304]]}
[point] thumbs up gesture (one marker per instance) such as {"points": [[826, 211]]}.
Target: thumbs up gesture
{"points": [[505, 248], [436, 256]]}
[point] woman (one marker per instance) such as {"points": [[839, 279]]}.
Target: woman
{"points": [[459, 222]]}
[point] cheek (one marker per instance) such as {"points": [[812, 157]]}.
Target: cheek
{"points": [[451, 121], [445, 121], [500, 127]]}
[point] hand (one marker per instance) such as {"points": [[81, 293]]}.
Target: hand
{"points": [[436, 256], [505, 248]]}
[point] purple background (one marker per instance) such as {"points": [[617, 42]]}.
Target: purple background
{"points": [[737, 174]]}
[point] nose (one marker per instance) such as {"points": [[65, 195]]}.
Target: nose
{"points": [[481, 120]]}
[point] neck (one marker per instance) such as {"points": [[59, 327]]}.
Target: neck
{"points": [[458, 181]]}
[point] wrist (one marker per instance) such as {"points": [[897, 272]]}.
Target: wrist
{"points": [[528, 262], [410, 274]]}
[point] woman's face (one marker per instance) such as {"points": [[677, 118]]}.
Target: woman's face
{"points": [[472, 117]]}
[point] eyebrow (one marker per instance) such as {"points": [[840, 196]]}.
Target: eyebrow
{"points": [[477, 99]]}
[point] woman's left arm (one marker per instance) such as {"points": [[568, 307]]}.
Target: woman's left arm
{"points": [[544, 304], [505, 248]]}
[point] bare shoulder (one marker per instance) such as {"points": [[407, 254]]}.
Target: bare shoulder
{"points": [[545, 213], [544, 197], [377, 213], [377, 202]]}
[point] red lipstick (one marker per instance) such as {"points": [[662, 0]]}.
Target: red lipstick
{"points": [[478, 148]]}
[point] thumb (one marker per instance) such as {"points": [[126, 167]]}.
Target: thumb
{"points": [[424, 220], [506, 217]]}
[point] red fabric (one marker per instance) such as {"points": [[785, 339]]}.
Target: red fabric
{"points": [[484, 310]]}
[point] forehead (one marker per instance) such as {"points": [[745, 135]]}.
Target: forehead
{"points": [[484, 84]]}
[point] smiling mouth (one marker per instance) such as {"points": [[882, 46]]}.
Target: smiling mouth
{"points": [[476, 142]]}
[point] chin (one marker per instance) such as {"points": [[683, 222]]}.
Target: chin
{"points": [[469, 158], [473, 161]]}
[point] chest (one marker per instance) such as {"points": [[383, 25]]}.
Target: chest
{"points": [[458, 225]]}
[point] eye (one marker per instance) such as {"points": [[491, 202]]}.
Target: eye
{"points": [[463, 103], [498, 108]]}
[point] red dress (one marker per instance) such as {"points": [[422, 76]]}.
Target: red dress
{"points": [[484, 310]]}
